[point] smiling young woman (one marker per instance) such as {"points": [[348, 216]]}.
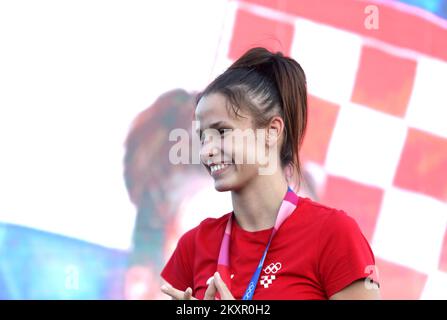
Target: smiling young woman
{"points": [[274, 244]]}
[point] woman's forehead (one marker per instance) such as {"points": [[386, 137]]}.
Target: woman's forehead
{"points": [[210, 105], [215, 107]]}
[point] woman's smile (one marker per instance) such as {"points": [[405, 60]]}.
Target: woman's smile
{"points": [[218, 169]]}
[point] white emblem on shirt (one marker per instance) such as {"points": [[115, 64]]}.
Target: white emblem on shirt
{"points": [[270, 272], [273, 268]]}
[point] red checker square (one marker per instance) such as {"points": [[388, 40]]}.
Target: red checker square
{"points": [[252, 31], [359, 201], [322, 116], [443, 258], [384, 82], [423, 164], [398, 282]]}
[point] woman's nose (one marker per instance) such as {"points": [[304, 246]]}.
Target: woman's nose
{"points": [[208, 151]]}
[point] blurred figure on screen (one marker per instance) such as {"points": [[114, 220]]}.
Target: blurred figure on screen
{"points": [[156, 187]]}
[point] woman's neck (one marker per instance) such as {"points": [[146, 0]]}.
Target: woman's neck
{"points": [[256, 205]]}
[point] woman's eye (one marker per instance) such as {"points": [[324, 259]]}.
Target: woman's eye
{"points": [[204, 137], [223, 131]]}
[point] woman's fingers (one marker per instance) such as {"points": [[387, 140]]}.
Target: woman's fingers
{"points": [[177, 294], [216, 285], [225, 293], [210, 293], [187, 294], [172, 292]]}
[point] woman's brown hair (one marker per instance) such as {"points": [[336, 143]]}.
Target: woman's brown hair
{"points": [[268, 84]]}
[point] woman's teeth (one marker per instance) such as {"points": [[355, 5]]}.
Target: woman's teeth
{"points": [[218, 167]]}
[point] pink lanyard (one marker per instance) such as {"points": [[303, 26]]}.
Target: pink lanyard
{"points": [[287, 207]]}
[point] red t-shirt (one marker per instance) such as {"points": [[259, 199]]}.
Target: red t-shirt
{"points": [[317, 252]]}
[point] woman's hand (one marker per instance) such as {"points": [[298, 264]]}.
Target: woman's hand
{"points": [[177, 294], [216, 285]]}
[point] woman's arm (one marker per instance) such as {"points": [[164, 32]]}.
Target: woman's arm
{"points": [[357, 291]]}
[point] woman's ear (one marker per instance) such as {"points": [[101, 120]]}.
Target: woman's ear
{"points": [[274, 130]]}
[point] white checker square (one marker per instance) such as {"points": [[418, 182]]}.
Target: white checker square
{"points": [[329, 57], [410, 230], [427, 108], [366, 145], [435, 287]]}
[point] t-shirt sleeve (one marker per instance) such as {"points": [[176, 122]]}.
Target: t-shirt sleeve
{"points": [[344, 253], [178, 271]]}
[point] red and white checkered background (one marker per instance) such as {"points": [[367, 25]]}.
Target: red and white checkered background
{"points": [[377, 133]]}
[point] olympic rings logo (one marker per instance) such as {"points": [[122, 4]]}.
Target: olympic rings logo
{"points": [[273, 268]]}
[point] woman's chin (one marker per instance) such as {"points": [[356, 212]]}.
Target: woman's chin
{"points": [[221, 185]]}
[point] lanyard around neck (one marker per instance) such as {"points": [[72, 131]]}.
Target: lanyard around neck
{"points": [[287, 207]]}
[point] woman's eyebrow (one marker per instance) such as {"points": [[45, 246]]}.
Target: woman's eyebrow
{"points": [[220, 124]]}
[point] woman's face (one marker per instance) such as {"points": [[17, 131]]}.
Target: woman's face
{"points": [[223, 152]]}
